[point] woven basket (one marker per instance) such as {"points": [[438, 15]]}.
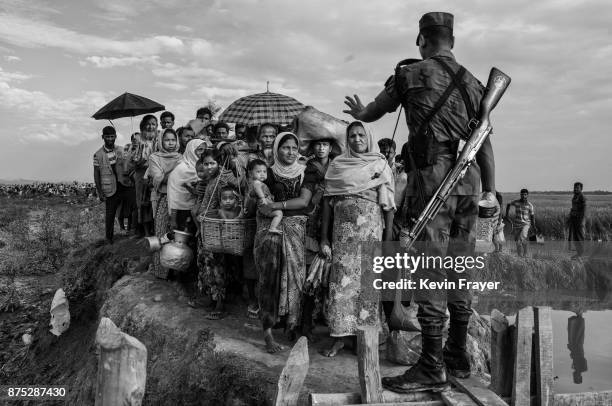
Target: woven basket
{"points": [[233, 236]]}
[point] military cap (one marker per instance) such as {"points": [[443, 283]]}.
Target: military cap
{"points": [[436, 18]]}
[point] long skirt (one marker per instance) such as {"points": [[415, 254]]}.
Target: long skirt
{"points": [[143, 197], [352, 301], [280, 264], [212, 274], [162, 226]]}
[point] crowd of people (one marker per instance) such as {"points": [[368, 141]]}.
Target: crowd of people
{"points": [[79, 190], [170, 179]]}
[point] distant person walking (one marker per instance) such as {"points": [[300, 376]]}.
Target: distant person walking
{"points": [[106, 176], [576, 223], [498, 233], [524, 218]]}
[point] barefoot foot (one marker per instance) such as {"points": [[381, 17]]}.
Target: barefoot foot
{"points": [[337, 346]]}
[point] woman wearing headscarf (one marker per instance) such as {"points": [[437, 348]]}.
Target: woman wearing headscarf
{"points": [[145, 147], [161, 164], [181, 186], [279, 258], [359, 196], [311, 196], [217, 271]]}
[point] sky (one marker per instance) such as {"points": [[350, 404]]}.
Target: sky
{"points": [[61, 61]]}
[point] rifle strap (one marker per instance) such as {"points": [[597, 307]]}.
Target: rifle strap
{"points": [[456, 78]]}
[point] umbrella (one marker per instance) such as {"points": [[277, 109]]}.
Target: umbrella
{"points": [[127, 105], [261, 108]]}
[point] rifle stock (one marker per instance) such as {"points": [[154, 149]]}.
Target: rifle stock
{"points": [[497, 84]]}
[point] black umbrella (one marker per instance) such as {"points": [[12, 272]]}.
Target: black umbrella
{"points": [[127, 105]]}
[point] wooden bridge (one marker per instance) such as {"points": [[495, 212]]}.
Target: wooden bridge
{"points": [[521, 372]]}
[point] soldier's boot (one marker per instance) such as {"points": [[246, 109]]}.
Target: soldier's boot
{"points": [[456, 358], [428, 374]]}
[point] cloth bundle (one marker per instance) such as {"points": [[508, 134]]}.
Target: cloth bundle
{"points": [[318, 274]]}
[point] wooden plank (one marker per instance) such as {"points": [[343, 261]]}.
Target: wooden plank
{"points": [[367, 365], [544, 355], [501, 354], [292, 377], [478, 391], [521, 391], [583, 399], [452, 398], [122, 367], [336, 399]]}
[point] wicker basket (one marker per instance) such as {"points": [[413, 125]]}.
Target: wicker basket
{"points": [[233, 236]]}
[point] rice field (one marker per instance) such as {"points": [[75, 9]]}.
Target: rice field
{"points": [[552, 212]]}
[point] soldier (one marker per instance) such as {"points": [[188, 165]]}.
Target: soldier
{"points": [[441, 99]]}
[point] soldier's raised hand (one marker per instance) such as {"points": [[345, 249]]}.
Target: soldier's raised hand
{"points": [[355, 106]]}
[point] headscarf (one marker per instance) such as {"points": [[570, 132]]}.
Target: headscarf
{"points": [[179, 197], [353, 172], [287, 171], [162, 161]]}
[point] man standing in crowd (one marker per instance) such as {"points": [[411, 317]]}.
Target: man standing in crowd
{"points": [[267, 134], [221, 131], [166, 120], [524, 218], [437, 119], [577, 220], [106, 177], [387, 147]]}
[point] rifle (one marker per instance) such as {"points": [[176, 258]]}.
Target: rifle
{"points": [[496, 86]]}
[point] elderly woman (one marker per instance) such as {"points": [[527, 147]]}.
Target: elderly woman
{"points": [[309, 200], [279, 258], [359, 189], [161, 163], [145, 147]]}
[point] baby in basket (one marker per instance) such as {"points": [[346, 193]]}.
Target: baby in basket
{"points": [[229, 207], [258, 172]]}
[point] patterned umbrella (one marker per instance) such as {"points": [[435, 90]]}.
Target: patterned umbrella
{"points": [[261, 108], [127, 105]]}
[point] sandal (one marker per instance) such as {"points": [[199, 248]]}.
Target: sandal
{"points": [[253, 313], [216, 315]]}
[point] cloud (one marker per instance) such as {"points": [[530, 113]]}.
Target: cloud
{"points": [[171, 86], [112, 61], [183, 28], [28, 33], [12, 58]]}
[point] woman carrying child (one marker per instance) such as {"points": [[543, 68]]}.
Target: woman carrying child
{"points": [[309, 200], [221, 200]]}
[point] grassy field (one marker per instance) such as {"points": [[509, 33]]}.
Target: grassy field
{"points": [[552, 212]]}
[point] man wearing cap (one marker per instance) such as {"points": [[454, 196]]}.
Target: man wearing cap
{"points": [[109, 178], [440, 99]]}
